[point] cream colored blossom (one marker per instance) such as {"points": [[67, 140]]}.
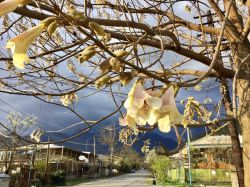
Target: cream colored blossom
{"points": [[127, 121], [121, 53], [115, 64], [164, 124], [153, 102], [125, 78], [20, 44], [36, 135], [154, 115], [151, 107], [142, 116], [169, 105], [97, 28], [87, 53], [76, 14], [106, 38], [9, 6], [102, 81], [68, 99], [136, 97]]}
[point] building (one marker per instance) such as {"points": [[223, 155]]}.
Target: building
{"points": [[211, 152], [210, 159], [50, 158]]}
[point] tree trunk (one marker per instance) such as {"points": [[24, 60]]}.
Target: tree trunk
{"points": [[243, 91], [232, 129], [242, 51], [7, 171]]}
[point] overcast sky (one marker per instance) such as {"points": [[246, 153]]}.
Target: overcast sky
{"points": [[51, 117]]}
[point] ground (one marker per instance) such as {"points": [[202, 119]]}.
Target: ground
{"points": [[141, 178]]}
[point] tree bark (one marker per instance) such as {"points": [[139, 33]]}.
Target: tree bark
{"points": [[233, 132], [243, 91], [7, 171], [242, 50]]}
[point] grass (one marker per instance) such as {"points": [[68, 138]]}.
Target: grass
{"points": [[72, 182], [75, 182], [176, 184]]}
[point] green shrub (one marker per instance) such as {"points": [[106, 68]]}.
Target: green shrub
{"points": [[124, 167], [40, 165], [160, 166], [58, 178]]}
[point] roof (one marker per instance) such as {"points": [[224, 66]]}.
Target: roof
{"points": [[208, 142], [213, 141], [40, 146], [52, 146]]}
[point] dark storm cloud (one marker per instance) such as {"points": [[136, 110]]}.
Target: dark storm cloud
{"points": [[54, 117]]}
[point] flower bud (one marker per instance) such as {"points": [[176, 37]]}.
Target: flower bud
{"points": [[97, 28], [52, 28], [121, 53], [102, 81]]}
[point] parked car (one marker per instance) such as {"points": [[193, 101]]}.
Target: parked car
{"points": [[132, 171], [114, 171]]}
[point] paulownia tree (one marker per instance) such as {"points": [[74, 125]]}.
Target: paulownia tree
{"points": [[55, 49], [20, 125]]}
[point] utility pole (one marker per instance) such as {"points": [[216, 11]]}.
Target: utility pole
{"points": [[94, 158], [189, 158], [47, 158]]}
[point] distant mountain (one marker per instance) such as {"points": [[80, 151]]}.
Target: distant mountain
{"points": [[85, 141], [168, 139]]}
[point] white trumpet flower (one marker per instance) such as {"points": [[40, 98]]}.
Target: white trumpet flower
{"points": [[20, 44], [8, 6], [151, 107], [169, 106]]}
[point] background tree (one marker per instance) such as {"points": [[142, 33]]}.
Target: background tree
{"points": [[20, 125], [108, 136], [129, 159]]}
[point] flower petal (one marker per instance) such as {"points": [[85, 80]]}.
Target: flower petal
{"points": [[122, 121], [128, 102], [8, 6], [168, 97], [127, 121], [139, 95], [154, 93], [164, 124], [140, 121], [132, 111], [142, 116], [143, 113], [153, 116], [154, 102], [19, 60], [130, 121], [136, 96], [176, 117], [20, 44]]}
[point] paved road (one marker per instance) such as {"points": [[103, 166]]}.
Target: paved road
{"points": [[138, 179]]}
